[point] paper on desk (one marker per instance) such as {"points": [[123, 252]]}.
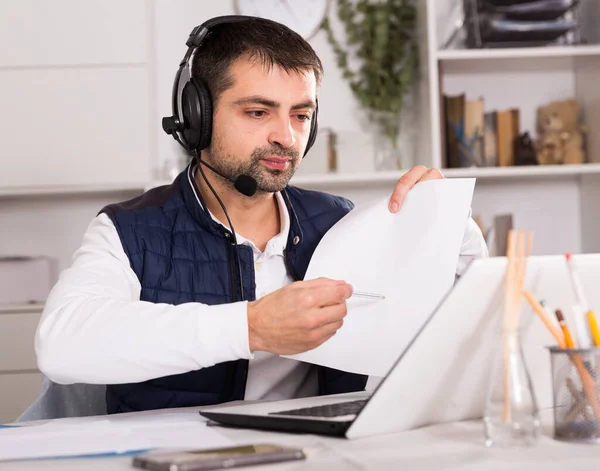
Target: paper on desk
{"points": [[410, 257], [111, 434]]}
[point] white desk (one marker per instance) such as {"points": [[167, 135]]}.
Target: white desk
{"points": [[456, 446]]}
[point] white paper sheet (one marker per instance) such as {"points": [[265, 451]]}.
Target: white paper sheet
{"points": [[409, 257], [109, 434]]}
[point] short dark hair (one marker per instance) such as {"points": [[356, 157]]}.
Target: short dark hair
{"points": [[264, 40]]}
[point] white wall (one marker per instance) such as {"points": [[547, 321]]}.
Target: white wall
{"points": [[550, 208]]}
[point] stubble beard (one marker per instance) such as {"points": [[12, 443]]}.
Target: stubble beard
{"points": [[268, 180]]}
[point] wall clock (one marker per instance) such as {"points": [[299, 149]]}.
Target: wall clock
{"points": [[302, 16]]}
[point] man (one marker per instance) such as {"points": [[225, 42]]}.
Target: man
{"points": [[152, 304]]}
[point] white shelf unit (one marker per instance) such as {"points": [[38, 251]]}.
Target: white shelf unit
{"points": [[20, 379], [525, 78], [558, 202]]}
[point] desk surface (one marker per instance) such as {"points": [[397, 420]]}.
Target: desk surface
{"points": [[457, 446]]}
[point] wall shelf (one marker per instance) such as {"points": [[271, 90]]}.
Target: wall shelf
{"points": [[324, 180], [347, 179], [490, 173], [524, 172], [21, 308], [333, 180], [328, 180], [518, 53], [61, 190]]}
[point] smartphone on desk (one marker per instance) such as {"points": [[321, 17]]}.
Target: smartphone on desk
{"points": [[217, 458]]}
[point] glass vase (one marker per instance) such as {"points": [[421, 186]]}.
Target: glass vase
{"points": [[511, 415], [386, 131]]}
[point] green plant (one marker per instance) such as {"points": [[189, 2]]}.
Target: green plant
{"points": [[381, 35]]}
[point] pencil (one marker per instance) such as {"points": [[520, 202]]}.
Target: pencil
{"points": [[543, 315], [581, 332], [566, 332], [576, 282], [362, 294], [508, 322], [593, 324]]}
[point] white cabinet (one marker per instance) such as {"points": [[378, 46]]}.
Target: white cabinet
{"points": [[75, 93], [105, 138], [19, 390], [20, 380]]}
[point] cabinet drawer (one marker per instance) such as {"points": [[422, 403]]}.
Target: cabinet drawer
{"points": [[18, 391], [17, 335]]}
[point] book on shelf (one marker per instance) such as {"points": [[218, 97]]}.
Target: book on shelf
{"points": [[490, 139], [508, 124], [476, 138], [454, 111], [474, 129], [463, 128]]}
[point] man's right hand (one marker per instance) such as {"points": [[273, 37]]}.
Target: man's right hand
{"points": [[298, 317]]}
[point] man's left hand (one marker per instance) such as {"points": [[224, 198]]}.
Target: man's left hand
{"points": [[408, 180]]}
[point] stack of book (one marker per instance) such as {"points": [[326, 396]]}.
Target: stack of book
{"points": [[475, 138], [514, 23]]}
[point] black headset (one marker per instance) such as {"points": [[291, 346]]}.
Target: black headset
{"points": [[191, 123]]}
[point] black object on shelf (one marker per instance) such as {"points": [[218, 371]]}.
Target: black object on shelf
{"points": [[506, 32], [540, 10], [525, 151], [519, 23], [515, 3]]}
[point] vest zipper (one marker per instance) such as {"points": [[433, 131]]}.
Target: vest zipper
{"points": [[233, 276], [235, 282]]}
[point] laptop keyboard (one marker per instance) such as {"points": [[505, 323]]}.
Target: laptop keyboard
{"points": [[329, 410]]}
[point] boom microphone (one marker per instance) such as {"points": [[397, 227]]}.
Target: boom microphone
{"points": [[245, 184]]}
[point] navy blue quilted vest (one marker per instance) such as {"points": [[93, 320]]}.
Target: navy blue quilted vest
{"points": [[180, 255]]}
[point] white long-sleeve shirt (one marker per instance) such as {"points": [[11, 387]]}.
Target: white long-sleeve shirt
{"points": [[95, 330]]}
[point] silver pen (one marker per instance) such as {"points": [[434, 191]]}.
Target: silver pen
{"points": [[362, 294]]}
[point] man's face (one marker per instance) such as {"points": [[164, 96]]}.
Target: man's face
{"points": [[262, 123]]}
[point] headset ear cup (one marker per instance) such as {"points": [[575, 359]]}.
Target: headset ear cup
{"points": [[191, 116], [314, 129], [196, 107], [206, 114]]}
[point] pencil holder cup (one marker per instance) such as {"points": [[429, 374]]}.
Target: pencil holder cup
{"points": [[576, 391]]}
